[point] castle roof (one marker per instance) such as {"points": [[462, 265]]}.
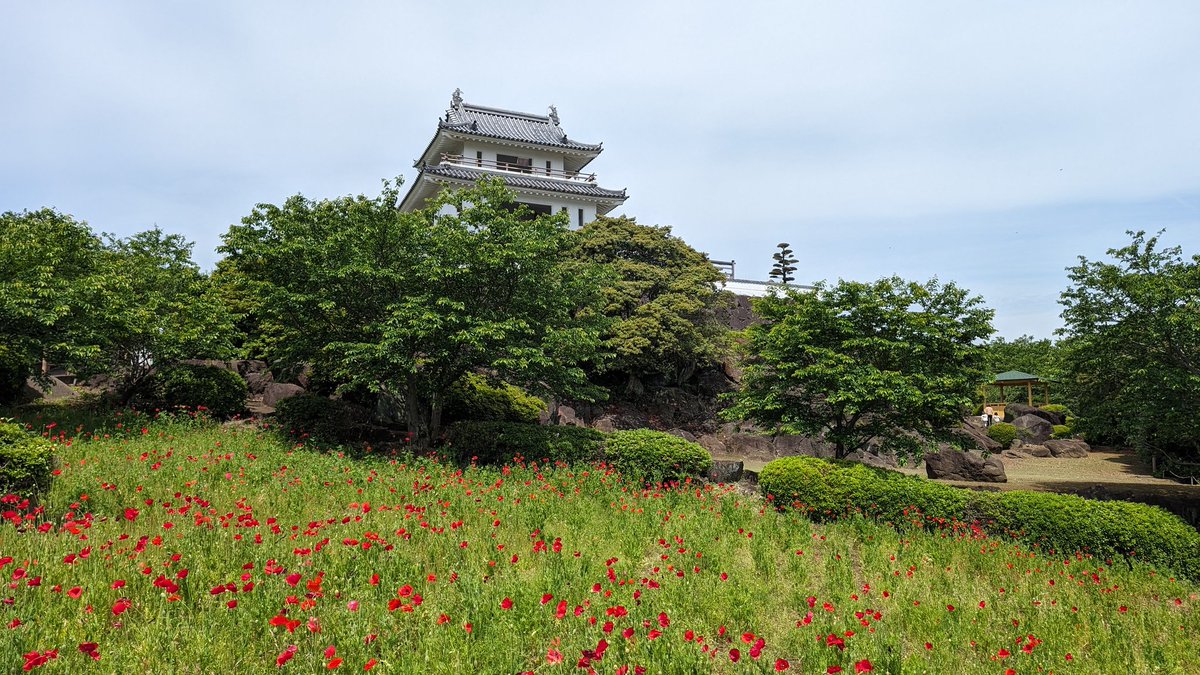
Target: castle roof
{"points": [[508, 125], [528, 182]]}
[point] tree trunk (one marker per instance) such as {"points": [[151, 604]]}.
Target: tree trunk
{"points": [[417, 416]]}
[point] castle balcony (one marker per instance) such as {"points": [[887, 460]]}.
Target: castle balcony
{"points": [[521, 167]]}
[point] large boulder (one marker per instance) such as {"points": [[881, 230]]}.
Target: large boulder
{"points": [[53, 389], [978, 437], [1072, 448], [1033, 449], [1016, 410], [256, 382], [965, 466], [275, 392], [713, 444], [1033, 429]]}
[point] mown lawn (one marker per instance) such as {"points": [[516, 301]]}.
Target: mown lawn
{"points": [[185, 547]]}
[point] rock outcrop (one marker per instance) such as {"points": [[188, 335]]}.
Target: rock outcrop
{"points": [[964, 466]]}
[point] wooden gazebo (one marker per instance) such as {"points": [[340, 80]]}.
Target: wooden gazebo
{"points": [[1015, 378]]}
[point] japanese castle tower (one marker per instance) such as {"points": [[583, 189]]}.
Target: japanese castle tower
{"points": [[530, 153]]}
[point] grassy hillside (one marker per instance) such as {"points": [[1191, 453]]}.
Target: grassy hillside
{"points": [[182, 547]]}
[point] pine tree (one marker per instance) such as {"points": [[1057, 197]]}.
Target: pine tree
{"points": [[785, 264]]}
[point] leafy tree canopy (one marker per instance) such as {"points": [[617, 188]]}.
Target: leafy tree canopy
{"points": [[664, 300], [1133, 347], [864, 363], [407, 303], [52, 284], [98, 304], [160, 310]]}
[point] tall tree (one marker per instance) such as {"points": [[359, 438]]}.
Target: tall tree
{"points": [[784, 268], [664, 301], [160, 309], [864, 363], [52, 291], [1133, 347], [405, 304]]}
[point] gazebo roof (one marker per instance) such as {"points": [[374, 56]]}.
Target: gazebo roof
{"points": [[1014, 376]]}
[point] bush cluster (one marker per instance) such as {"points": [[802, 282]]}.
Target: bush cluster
{"points": [[321, 418], [1003, 433], [474, 398], [1061, 431], [221, 392], [654, 455], [501, 442], [26, 462], [1061, 523]]}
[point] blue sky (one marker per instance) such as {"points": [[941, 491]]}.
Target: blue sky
{"points": [[988, 143]]}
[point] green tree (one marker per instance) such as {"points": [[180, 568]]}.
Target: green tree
{"points": [[784, 268], [863, 363], [406, 304], [664, 301], [53, 291], [160, 309], [1132, 360]]}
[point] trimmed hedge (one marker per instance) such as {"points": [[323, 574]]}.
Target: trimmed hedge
{"points": [[501, 442], [1003, 433], [1060, 523], [26, 462], [654, 455], [221, 392], [473, 398], [321, 418], [1061, 431]]}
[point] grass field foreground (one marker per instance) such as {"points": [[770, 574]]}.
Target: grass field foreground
{"points": [[184, 547]]}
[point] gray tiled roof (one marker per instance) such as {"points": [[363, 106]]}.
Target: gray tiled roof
{"points": [[510, 126], [524, 181]]}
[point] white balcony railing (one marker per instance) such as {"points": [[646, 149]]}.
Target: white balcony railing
{"points": [[492, 165]]}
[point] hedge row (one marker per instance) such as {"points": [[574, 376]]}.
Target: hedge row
{"points": [[1060, 523], [640, 454]]}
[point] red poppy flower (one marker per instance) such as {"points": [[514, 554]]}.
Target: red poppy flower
{"points": [[863, 666], [506, 604], [781, 665], [286, 655]]}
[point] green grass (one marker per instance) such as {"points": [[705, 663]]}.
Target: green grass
{"points": [[236, 505]]}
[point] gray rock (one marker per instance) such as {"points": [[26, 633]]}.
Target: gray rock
{"points": [[1019, 409], [275, 392], [257, 382], [964, 466], [565, 417], [1034, 450], [1071, 448], [879, 461], [685, 435], [713, 444], [978, 437], [605, 423], [1033, 429], [1014, 453], [725, 471]]}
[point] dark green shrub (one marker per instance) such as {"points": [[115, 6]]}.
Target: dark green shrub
{"points": [[1106, 529], [220, 392], [26, 462], [501, 442], [1062, 523], [322, 419], [1003, 433], [646, 454], [473, 398], [1061, 431], [832, 489]]}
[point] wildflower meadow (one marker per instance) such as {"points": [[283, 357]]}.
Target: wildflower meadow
{"points": [[182, 546]]}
